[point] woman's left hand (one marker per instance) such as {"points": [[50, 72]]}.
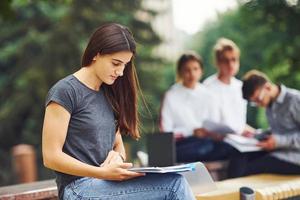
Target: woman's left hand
{"points": [[113, 157]]}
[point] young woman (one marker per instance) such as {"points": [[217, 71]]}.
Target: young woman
{"points": [[87, 112]]}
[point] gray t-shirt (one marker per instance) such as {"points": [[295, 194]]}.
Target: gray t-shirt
{"points": [[91, 130]]}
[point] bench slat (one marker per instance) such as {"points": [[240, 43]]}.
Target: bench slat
{"points": [[36, 190]]}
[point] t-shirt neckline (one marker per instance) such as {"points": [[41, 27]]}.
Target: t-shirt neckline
{"points": [[84, 85]]}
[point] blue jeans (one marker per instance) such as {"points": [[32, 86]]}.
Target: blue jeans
{"points": [[250, 163], [193, 149], [152, 186]]}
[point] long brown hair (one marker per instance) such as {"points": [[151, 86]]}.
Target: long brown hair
{"points": [[122, 95]]}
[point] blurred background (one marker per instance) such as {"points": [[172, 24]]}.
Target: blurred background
{"points": [[42, 41]]}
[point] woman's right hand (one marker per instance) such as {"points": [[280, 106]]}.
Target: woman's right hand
{"points": [[112, 157], [119, 172]]}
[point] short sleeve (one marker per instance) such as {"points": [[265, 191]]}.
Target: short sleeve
{"points": [[63, 94]]}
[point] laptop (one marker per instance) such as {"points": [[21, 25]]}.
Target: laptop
{"points": [[161, 149], [200, 180], [162, 152]]}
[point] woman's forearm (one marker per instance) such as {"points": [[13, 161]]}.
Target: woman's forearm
{"points": [[60, 161]]}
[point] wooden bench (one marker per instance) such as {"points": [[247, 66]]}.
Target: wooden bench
{"points": [[266, 187], [42, 190]]}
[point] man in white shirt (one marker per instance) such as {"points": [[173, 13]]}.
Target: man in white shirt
{"points": [[227, 88], [187, 104]]}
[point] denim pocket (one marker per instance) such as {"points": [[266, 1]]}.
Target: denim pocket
{"points": [[80, 183]]}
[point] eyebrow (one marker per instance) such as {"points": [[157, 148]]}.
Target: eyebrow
{"points": [[118, 60]]}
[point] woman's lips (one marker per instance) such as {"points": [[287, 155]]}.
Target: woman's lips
{"points": [[114, 77]]}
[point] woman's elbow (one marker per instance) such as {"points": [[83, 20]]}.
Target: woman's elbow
{"points": [[46, 161], [49, 159]]}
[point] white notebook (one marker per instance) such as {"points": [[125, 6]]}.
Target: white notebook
{"points": [[169, 169], [241, 143], [196, 175], [217, 127]]}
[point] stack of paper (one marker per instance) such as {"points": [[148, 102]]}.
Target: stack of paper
{"points": [[169, 169], [241, 143], [217, 127]]}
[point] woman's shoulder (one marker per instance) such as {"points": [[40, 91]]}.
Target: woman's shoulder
{"points": [[66, 84], [65, 87], [63, 93]]}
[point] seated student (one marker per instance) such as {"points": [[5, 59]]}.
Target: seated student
{"points": [[282, 147], [86, 114], [185, 106], [227, 88]]}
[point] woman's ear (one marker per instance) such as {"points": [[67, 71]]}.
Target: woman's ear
{"points": [[96, 57]]}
